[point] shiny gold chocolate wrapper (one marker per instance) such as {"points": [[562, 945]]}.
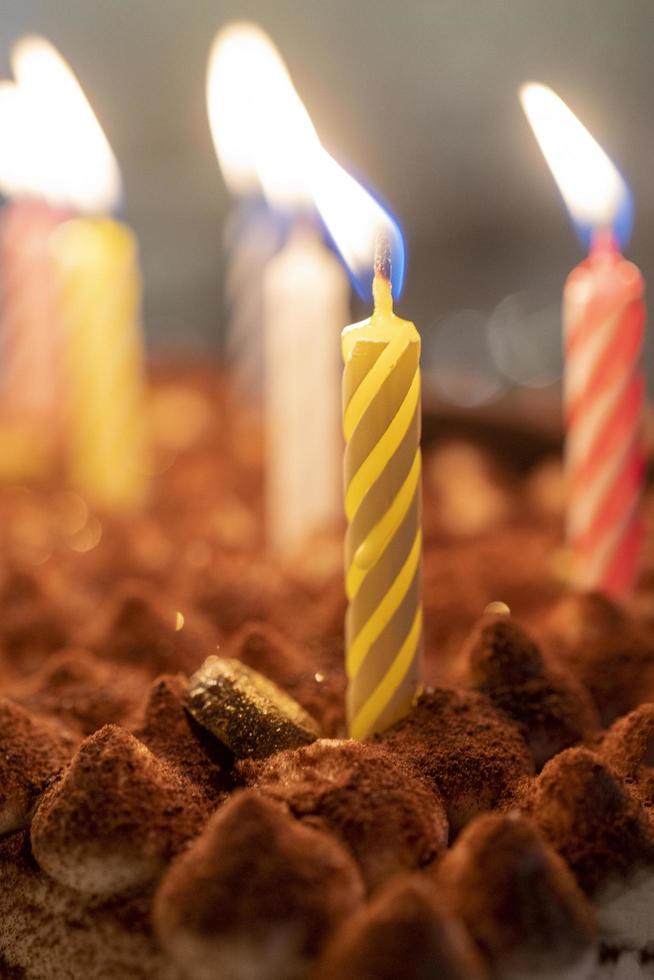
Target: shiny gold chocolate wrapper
{"points": [[246, 711]]}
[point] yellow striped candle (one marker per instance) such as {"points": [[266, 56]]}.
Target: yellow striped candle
{"points": [[99, 301], [383, 549]]}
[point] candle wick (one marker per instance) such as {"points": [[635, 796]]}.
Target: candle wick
{"points": [[381, 285], [604, 240], [382, 261]]}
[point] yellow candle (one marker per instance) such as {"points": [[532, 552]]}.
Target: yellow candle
{"points": [[99, 295], [381, 398]]}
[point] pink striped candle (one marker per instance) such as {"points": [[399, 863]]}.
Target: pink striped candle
{"points": [[604, 317], [31, 340]]}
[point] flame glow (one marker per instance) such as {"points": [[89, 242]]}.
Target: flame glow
{"points": [[595, 194], [355, 220], [52, 143], [262, 132], [264, 138], [15, 131]]}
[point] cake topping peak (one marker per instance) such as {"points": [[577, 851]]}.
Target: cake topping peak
{"points": [[405, 931], [114, 819], [591, 818], [256, 895], [389, 818], [517, 897]]}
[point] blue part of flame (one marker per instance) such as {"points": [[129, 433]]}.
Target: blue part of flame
{"points": [[361, 278], [621, 226]]}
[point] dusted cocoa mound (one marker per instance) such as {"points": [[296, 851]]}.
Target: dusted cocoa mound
{"points": [[19, 587], [618, 676], [404, 932], [519, 900], [169, 732], [500, 653], [322, 619], [236, 594], [582, 618], [468, 750], [115, 818], [32, 751], [81, 690], [267, 650], [462, 576], [629, 747], [139, 628], [50, 932], [257, 895], [552, 711], [607, 652], [30, 626], [389, 818], [592, 819]]}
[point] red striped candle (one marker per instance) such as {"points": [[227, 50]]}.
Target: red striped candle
{"points": [[604, 317], [603, 320]]}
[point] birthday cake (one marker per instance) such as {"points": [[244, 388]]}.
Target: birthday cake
{"points": [[178, 799]]}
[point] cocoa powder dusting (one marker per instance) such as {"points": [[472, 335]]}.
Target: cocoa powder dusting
{"points": [[516, 895], [592, 819], [111, 792], [387, 816], [551, 709], [253, 875], [465, 748]]}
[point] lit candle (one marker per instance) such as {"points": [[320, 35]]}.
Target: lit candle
{"points": [[240, 61], [604, 315], [304, 291], [31, 342], [251, 238], [30, 339], [381, 423], [306, 299], [98, 287], [99, 302]]}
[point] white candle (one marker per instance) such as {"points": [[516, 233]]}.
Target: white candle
{"points": [[305, 302], [251, 238], [238, 83]]}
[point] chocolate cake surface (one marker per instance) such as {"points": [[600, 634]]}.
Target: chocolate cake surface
{"points": [[502, 829]]}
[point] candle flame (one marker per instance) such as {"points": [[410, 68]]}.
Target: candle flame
{"points": [[54, 146], [596, 195], [263, 135], [356, 222], [265, 139]]}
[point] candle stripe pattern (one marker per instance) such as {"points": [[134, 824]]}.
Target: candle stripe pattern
{"points": [[383, 550], [31, 340], [604, 319]]}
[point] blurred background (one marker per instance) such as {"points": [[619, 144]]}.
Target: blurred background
{"points": [[419, 97]]}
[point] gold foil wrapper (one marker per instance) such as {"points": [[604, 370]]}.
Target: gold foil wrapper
{"points": [[246, 711]]}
